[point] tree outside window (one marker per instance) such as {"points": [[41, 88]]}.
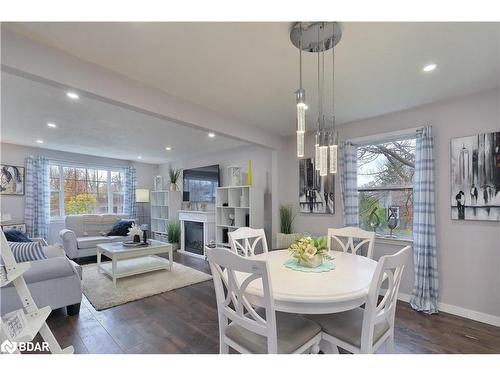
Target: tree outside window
{"points": [[82, 190], [385, 185]]}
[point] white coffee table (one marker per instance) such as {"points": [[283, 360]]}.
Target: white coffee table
{"points": [[128, 261]]}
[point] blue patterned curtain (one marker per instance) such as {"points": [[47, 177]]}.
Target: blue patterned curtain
{"points": [[348, 170], [129, 206], [425, 290], [37, 200]]}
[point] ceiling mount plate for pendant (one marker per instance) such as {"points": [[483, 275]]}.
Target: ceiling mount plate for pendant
{"points": [[330, 34]]}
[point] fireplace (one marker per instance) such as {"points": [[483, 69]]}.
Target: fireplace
{"points": [[197, 230], [193, 237]]}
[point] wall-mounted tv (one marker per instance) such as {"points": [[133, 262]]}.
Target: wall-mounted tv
{"points": [[200, 184]]}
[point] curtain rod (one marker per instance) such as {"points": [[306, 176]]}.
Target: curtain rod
{"points": [[87, 164], [384, 137]]}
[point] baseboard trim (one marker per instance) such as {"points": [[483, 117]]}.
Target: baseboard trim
{"points": [[460, 311]]}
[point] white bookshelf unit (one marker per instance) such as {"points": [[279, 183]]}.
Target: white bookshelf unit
{"points": [[246, 203], [165, 206]]}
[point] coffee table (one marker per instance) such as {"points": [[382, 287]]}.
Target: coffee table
{"points": [[128, 261]]}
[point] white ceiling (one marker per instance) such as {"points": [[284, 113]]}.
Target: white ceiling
{"points": [[249, 71], [93, 127]]}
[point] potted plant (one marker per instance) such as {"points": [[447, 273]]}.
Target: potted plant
{"points": [[286, 237], [174, 175], [309, 252], [174, 233]]}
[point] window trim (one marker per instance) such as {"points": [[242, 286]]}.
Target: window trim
{"points": [[380, 139], [68, 164]]}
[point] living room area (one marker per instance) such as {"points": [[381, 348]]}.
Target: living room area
{"points": [[169, 187]]}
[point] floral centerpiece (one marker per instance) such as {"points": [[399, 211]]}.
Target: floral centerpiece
{"points": [[136, 232], [310, 252]]}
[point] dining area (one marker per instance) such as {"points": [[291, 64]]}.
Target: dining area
{"points": [[319, 295]]}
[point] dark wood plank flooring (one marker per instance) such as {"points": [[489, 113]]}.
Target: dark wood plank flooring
{"points": [[185, 321]]}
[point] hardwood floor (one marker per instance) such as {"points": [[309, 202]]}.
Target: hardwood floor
{"points": [[185, 321]]}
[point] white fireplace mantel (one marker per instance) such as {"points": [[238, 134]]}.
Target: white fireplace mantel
{"points": [[207, 218]]}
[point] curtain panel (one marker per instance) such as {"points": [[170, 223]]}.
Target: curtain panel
{"points": [[348, 168], [425, 290], [37, 200], [129, 206]]}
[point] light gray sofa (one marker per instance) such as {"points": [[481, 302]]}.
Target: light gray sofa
{"points": [[82, 233], [54, 282]]}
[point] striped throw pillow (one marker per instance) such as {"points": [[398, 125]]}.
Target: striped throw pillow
{"points": [[27, 251]]}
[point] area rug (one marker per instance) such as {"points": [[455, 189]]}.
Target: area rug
{"points": [[102, 294]]}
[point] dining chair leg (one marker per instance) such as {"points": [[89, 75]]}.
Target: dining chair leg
{"points": [[389, 344], [223, 348], [328, 348]]}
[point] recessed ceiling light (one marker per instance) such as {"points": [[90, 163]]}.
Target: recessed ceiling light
{"points": [[72, 95], [211, 135], [168, 148], [139, 157], [39, 141], [429, 68], [51, 125]]}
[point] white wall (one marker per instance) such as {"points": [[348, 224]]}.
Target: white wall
{"points": [[15, 155], [261, 168], [468, 251]]}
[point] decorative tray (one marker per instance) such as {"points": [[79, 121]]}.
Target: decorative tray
{"points": [[134, 244], [323, 267]]}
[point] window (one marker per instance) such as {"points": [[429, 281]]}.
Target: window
{"points": [[82, 189], [385, 186]]}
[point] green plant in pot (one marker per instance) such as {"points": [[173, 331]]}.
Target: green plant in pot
{"points": [[174, 175], [310, 252], [286, 235], [174, 233]]}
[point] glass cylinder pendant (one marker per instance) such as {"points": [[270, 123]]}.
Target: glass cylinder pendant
{"points": [[323, 161], [301, 117], [333, 158], [316, 153], [300, 144]]}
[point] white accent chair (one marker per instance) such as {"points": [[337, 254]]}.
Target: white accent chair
{"points": [[365, 330], [351, 234], [244, 241], [255, 330]]}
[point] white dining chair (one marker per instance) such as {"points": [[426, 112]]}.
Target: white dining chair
{"points": [[351, 235], [365, 330], [255, 330], [244, 241]]}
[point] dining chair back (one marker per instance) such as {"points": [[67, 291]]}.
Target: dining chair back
{"points": [[231, 301], [386, 281], [245, 241], [351, 239]]}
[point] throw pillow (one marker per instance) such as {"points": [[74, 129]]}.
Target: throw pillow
{"points": [[27, 251], [120, 228], [14, 235]]}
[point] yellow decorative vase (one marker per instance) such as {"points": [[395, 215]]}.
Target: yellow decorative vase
{"points": [[250, 174]]}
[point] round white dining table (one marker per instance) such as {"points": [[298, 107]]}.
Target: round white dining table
{"points": [[341, 289]]}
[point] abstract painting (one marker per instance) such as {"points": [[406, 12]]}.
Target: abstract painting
{"points": [[475, 177], [316, 193], [12, 180]]}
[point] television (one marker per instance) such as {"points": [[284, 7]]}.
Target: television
{"points": [[200, 184]]}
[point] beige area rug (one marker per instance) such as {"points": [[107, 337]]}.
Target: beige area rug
{"points": [[102, 294]]}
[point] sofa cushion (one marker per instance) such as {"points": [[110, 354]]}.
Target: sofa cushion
{"points": [[120, 238], [75, 223], [27, 251], [14, 235], [91, 241], [92, 225], [120, 228], [48, 269]]}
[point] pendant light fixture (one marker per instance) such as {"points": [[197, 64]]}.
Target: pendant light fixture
{"points": [[317, 37], [300, 96]]}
